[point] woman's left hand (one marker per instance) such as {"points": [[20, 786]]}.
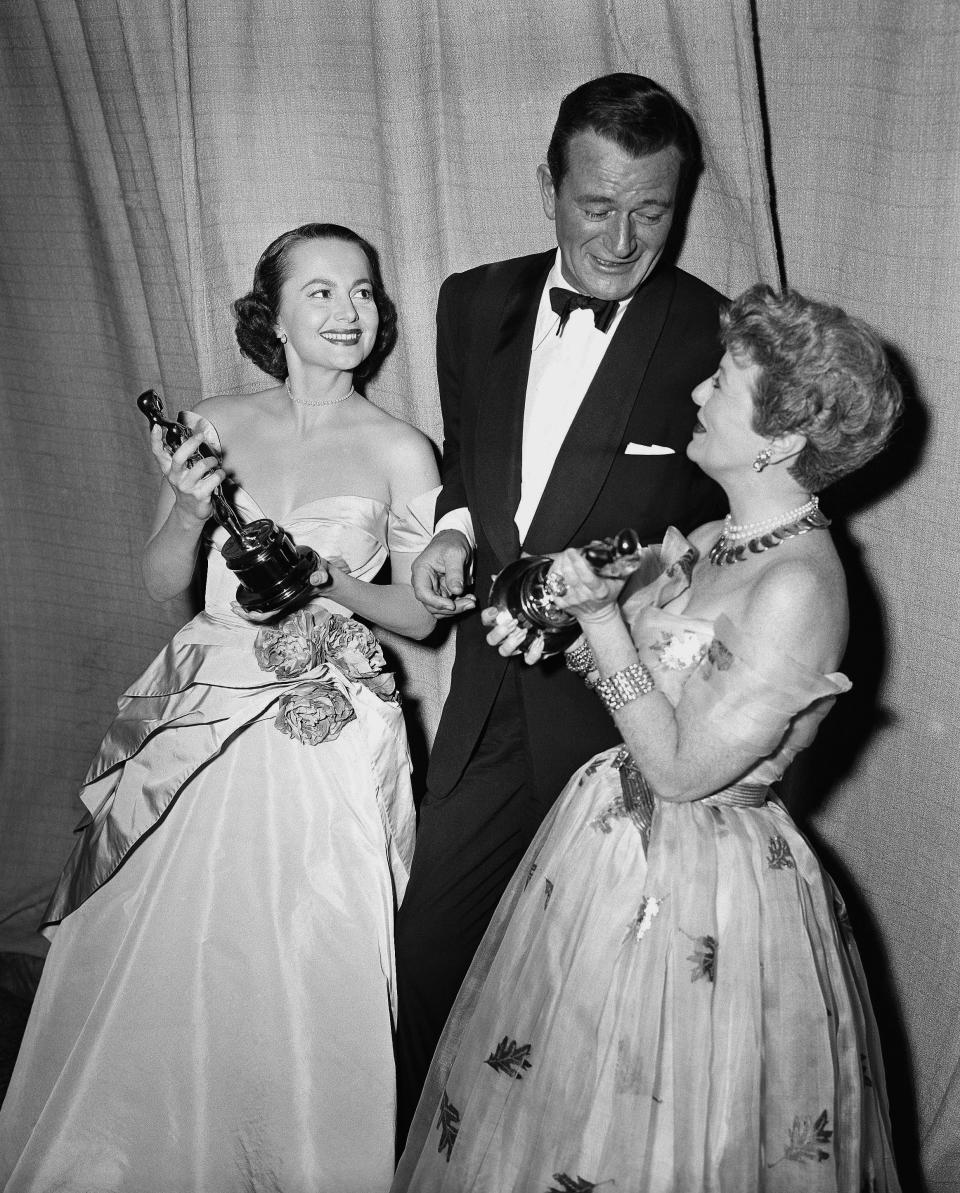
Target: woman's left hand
{"points": [[319, 579], [576, 587]]}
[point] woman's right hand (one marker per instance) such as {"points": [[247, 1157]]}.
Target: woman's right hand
{"points": [[192, 477]]}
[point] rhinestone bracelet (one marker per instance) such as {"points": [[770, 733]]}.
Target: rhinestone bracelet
{"points": [[625, 686], [580, 660]]}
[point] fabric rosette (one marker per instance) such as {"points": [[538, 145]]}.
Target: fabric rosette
{"points": [[289, 648], [316, 711], [354, 650], [312, 713]]}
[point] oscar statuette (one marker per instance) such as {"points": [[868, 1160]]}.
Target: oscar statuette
{"points": [[273, 572], [523, 590]]}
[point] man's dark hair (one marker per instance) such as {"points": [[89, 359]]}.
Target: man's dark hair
{"points": [[632, 111]]}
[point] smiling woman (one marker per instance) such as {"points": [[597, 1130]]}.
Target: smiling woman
{"points": [[669, 995], [327, 318], [278, 273], [220, 995]]}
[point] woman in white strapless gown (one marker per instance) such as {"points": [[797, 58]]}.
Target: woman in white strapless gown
{"points": [[216, 1009]]}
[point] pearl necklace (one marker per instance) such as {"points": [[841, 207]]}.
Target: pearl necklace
{"points": [[731, 530], [736, 541], [306, 402]]}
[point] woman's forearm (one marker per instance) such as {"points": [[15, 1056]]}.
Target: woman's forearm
{"points": [[170, 556], [392, 606], [678, 763]]}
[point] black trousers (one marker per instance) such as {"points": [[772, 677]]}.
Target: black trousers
{"points": [[469, 844]]}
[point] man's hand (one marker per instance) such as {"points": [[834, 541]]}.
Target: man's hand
{"points": [[441, 572], [507, 636]]}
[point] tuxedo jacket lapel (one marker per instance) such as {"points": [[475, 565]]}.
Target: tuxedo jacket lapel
{"points": [[596, 433], [500, 416]]}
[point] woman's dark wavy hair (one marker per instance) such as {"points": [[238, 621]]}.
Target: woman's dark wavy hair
{"points": [[823, 374], [256, 312]]}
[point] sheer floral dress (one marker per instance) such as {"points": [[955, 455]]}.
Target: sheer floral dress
{"points": [[668, 999]]}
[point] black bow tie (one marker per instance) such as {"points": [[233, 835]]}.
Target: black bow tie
{"points": [[564, 301]]}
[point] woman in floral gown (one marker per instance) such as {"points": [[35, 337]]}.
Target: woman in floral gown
{"points": [[668, 999], [216, 1009]]}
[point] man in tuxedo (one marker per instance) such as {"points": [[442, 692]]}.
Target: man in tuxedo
{"points": [[565, 383]]}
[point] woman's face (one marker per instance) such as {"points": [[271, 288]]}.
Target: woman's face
{"points": [[723, 439], [327, 308]]}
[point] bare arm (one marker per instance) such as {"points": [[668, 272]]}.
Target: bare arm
{"points": [[790, 611], [394, 606]]}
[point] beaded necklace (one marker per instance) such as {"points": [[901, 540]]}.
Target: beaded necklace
{"points": [[306, 402], [738, 541]]}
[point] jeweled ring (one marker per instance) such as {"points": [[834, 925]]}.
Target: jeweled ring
{"points": [[555, 585]]}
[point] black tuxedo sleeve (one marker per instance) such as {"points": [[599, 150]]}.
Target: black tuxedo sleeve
{"points": [[450, 365]]}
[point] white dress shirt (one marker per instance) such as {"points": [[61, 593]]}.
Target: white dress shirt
{"points": [[561, 369]]}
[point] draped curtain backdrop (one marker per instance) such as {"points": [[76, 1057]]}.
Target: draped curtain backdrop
{"points": [[150, 152]]}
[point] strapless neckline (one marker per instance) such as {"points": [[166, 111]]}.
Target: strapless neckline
{"points": [[247, 503], [244, 498]]}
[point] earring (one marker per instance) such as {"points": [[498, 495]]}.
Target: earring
{"points": [[762, 459], [282, 337]]}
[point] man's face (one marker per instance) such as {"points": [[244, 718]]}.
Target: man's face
{"points": [[612, 213]]}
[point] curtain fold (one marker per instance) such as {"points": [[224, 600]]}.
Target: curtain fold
{"points": [[152, 151], [865, 151]]}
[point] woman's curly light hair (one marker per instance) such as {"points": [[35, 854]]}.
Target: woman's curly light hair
{"points": [[823, 374]]}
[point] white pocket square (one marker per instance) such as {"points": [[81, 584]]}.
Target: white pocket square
{"points": [[648, 449]]}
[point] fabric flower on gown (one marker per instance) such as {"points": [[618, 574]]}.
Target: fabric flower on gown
{"points": [[354, 650], [314, 713], [289, 648], [351, 647]]}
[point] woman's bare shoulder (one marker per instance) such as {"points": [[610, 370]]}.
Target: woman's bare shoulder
{"points": [[236, 404], [799, 602], [398, 437], [403, 452], [232, 414]]}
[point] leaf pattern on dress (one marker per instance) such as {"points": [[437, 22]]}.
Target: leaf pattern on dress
{"points": [[780, 856], [601, 822], [865, 1071], [682, 568], [809, 1139], [448, 1124], [573, 1184], [704, 958], [509, 1058], [547, 892], [635, 801], [530, 874], [718, 656]]}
